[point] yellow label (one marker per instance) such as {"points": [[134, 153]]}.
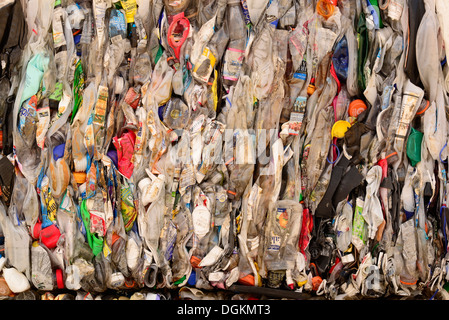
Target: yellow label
{"points": [[100, 106], [259, 277], [210, 56], [130, 7], [52, 207], [207, 54], [214, 90], [106, 250]]}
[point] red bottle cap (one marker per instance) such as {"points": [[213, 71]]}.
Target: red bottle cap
{"points": [[37, 230], [50, 236], [59, 279]]}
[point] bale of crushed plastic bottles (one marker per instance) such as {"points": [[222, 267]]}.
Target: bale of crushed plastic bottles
{"points": [[223, 149]]}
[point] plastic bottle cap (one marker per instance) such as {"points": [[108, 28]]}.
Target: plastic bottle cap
{"points": [[80, 177], [423, 107], [339, 128], [325, 8], [356, 107], [59, 279], [58, 151], [117, 279], [37, 230], [316, 281], [50, 236], [247, 280], [195, 261], [310, 89], [302, 282]]}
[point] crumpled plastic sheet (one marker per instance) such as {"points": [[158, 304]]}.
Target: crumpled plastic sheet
{"points": [[191, 146]]}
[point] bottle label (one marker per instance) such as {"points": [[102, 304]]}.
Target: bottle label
{"points": [[100, 106], [129, 212], [282, 217], [58, 28], [91, 181], [27, 115], [78, 86], [408, 111], [89, 137], [187, 178], [297, 116], [245, 12], [300, 76], [117, 23], [57, 94], [232, 64], [275, 243], [138, 146], [206, 57], [130, 7], [50, 203], [359, 226], [171, 241], [43, 116], [97, 223]]}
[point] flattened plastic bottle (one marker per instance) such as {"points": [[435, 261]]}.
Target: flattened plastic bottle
{"points": [[282, 234], [234, 55], [41, 271]]}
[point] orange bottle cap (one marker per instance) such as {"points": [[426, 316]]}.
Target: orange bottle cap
{"points": [[356, 107], [247, 280], [80, 177]]}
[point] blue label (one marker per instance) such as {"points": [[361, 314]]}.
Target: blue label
{"points": [[301, 76], [245, 12], [171, 240]]}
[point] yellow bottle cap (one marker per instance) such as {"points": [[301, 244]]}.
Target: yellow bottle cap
{"points": [[339, 128]]}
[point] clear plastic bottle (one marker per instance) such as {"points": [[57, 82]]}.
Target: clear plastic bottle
{"points": [[233, 58], [235, 20], [282, 235], [41, 270]]}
